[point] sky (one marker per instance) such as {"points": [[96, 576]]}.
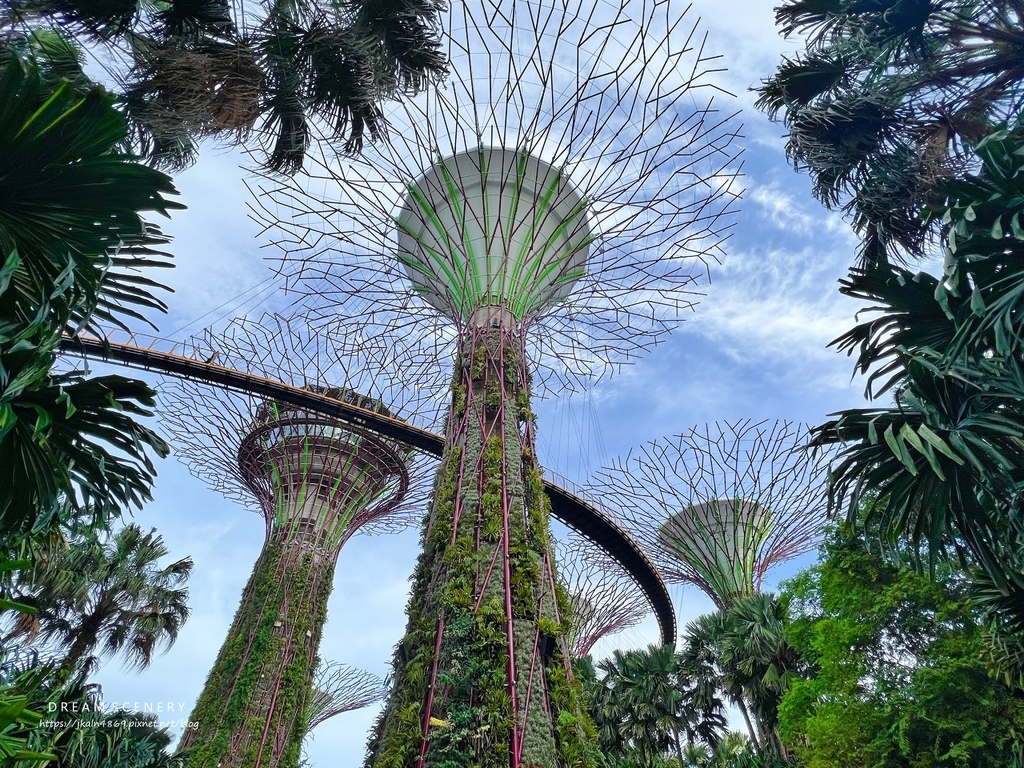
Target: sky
{"points": [[754, 347]]}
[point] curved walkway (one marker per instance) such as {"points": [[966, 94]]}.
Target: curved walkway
{"points": [[568, 507]]}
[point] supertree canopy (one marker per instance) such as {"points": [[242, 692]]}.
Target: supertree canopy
{"points": [[719, 505], [604, 599], [549, 210], [340, 688], [604, 115], [317, 481]]}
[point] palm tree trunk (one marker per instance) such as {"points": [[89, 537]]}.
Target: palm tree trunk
{"points": [[84, 642], [679, 748], [750, 726]]}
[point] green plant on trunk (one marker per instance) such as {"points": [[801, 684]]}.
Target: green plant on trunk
{"points": [[489, 504], [263, 675]]}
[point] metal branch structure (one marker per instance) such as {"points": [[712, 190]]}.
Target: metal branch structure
{"points": [[340, 688], [604, 599], [720, 505], [317, 481], [613, 101], [193, 362], [549, 212]]}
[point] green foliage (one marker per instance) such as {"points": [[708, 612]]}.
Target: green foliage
{"points": [[17, 721], [70, 205], [894, 673], [647, 702], [943, 467], [104, 592], [286, 71], [95, 739], [69, 726], [71, 237], [742, 651], [890, 97]]}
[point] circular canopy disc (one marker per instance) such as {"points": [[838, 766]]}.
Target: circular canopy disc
{"points": [[493, 228]]}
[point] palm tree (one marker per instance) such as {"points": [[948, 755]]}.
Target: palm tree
{"points": [[211, 68], [645, 704], [640, 702], [107, 593], [891, 97], [71, 240], [746, 644]]}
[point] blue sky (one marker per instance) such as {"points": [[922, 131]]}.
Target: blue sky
{"points": [[754, 347]]}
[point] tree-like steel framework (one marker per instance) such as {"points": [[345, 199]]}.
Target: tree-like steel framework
{"points": [[317, 482], [608, 95], [340, 688], [719, 505], [549, 211], [604, 599]]}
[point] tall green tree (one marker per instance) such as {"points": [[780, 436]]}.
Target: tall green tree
{"points": [[279, 71], [72, 239], [745, 645], [890, 97], [107, 593], [894, 674]]}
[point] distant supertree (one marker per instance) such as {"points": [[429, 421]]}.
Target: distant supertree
{"points": [[604, 599], [550, 210], [719, 505], [340, 688], [317, 481]]}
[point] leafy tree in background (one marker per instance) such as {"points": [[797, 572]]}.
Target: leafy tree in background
{"points": [[891, 97], [895, 675], [105, 592], [213, 68], [71, 242]]}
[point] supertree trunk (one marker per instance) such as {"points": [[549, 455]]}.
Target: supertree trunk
{"points": [[317, 482], [252, 709], [483, 676]]}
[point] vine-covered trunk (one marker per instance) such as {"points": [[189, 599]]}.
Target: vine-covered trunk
{"points": [[482, 676], [251, 712]]}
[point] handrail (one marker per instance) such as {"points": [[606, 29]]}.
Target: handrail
{"points": [[571, 509]]}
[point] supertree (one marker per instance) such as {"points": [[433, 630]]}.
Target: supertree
{"points": [[550, 210], [720, 505], [317, 482], [604, 599], [340, 688]]}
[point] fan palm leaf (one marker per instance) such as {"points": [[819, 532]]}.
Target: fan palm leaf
{"points": [[70, 203], [71, 240]]}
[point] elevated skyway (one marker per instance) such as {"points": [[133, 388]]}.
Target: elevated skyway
{"points": [[179, 359]]}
